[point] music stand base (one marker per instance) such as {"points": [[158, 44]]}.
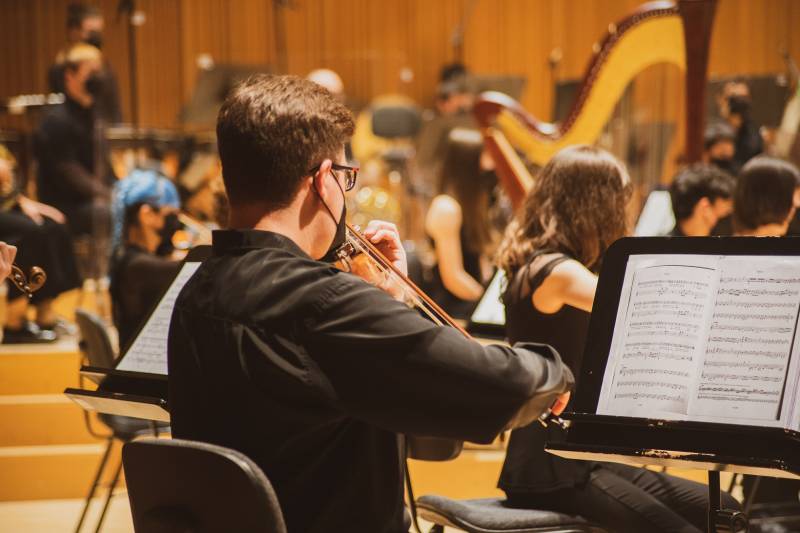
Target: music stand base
{"points": [[722, 520]]}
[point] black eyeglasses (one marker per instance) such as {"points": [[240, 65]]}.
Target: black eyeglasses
{"points": [[350, 174]]}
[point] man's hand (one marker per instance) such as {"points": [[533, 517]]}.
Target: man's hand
{"points": [[560, 404], [386, 238], [7, 255], [36, 211]]}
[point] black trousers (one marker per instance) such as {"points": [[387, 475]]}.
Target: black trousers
{"points": [[48, 245], [625, 499]]}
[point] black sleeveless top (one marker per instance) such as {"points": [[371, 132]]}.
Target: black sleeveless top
{"points": [[452, 304], [528, 468]]}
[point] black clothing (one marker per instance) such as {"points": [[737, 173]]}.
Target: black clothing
{"points": [[624, 499], [107, 106], [748, 143], [65, 147], [452, 304], [138, 279], [312, 373], [48, 245], [528, 468]]}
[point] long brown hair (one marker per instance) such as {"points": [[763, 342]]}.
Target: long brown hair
{"points": [[576, 207], [462, 178]]}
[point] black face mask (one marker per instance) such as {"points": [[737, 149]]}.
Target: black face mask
{"points": [[739, 105], [94, 38], [725, 164], [341, 229], [167, 231], [94, 85]]}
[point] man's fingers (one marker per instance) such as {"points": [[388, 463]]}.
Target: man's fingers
{"points": [[561, 403]]}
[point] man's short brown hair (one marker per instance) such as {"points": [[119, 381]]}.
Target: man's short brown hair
{"points": [[270, 131]]}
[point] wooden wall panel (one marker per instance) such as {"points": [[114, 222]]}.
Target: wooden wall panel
{"points": [[371, 43]]}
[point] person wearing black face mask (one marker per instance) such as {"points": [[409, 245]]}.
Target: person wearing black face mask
{"points": [[734, 106], [85, 25], [74, 172], [145, 211]]}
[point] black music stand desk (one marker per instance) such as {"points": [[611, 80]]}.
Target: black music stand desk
{"points": [[611, 419]]}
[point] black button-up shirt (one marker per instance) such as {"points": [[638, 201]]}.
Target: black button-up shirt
{"points": [[313, 372]]}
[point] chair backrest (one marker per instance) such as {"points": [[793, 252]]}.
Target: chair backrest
{"points": [[95, 341], [187, 486]]}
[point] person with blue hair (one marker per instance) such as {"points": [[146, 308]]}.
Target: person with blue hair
{"points": [[145, 213]]}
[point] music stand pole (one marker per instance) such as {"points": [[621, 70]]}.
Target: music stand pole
{"points": [[722, 520]]}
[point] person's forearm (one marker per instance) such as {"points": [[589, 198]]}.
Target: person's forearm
{"points": [[461, 284]]}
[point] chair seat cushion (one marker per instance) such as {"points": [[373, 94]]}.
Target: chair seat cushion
{"points": [[490, 515]]}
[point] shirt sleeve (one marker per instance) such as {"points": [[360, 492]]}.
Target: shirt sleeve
{"points": [[383, 363]]}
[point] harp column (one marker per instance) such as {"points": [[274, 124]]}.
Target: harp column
{"points": [[698, 19]]}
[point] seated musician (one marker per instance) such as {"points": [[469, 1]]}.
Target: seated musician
{"points": [[551, 254], [458, 222], [145, 219], [719, 146], [763, 203], [701, 195], [310, 371], [38, 230]]}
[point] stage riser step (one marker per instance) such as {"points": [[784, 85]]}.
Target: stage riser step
{"points": [[52, 472], [38, 372], [41, 423]]}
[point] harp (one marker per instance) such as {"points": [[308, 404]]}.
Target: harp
{"points": [[657, 32]]}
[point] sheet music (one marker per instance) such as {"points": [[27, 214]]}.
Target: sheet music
{"points": [[706, 338], [490, 309], [750, 340], [658, 338], [148, 352]]}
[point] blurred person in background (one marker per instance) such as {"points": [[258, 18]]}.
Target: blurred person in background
{"points": [[145, 209], [85, 24], [734, 107], [719, 147], [459, 224], [39, 232], [701, 195], [764, 201], [74, 173]]}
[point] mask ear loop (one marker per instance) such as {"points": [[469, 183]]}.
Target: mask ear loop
{"points": [[323, 201]]}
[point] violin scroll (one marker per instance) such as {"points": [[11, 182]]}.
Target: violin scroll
{"points": [[30, 283]]}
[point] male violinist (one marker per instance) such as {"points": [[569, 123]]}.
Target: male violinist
{"points": [[310, 371]]}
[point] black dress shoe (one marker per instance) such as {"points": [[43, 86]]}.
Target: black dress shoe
{"points": [[29, 333]]}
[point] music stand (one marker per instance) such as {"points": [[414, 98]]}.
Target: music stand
{"points": [[137, 386], [693, 441], [211, 89]]}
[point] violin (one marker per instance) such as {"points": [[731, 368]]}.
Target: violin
{"points": [[30, 283], [360, 257]]}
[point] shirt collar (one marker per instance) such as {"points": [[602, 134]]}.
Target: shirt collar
{"points": [[240, 240]]}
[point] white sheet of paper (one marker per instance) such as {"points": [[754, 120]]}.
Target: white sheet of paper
{"points": [[706, 338], [490, 310], [148, 352]]}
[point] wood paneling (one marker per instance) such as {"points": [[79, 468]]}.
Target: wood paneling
{"points": [[371, 44]]}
